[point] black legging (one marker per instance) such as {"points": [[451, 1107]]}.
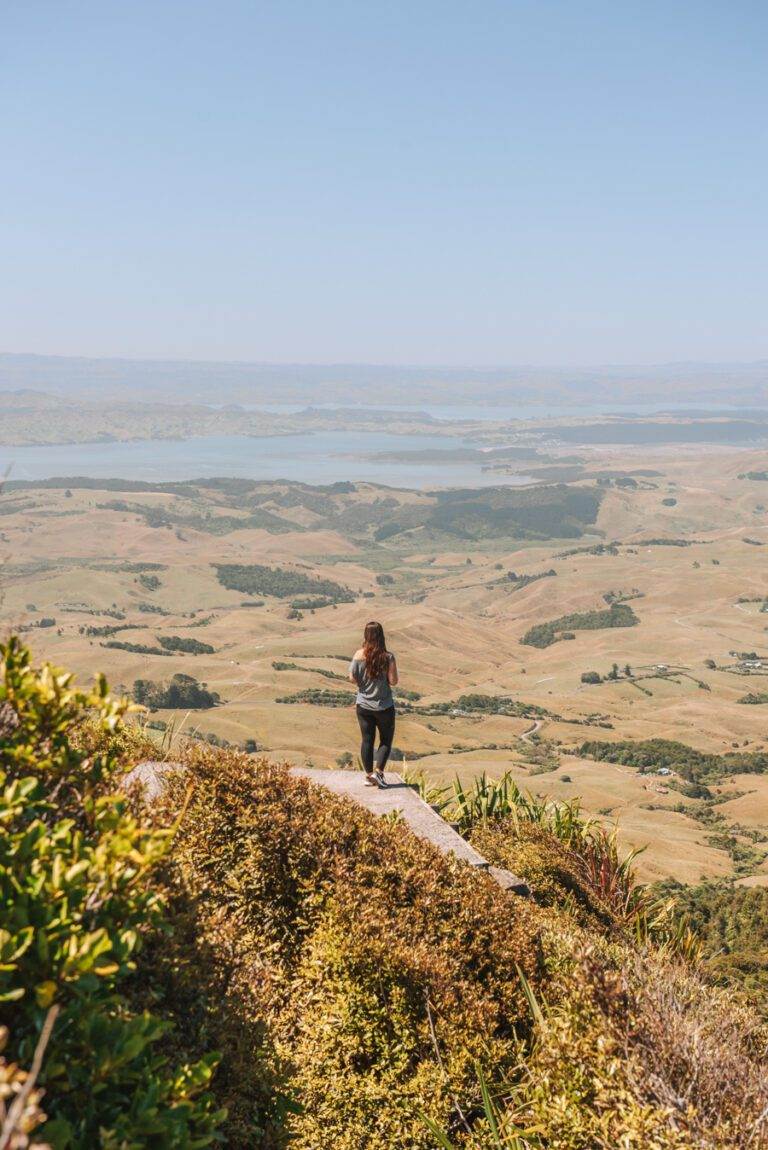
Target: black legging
{"points": [[371, 722]]}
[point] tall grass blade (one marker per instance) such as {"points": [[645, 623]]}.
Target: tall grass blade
{"points": [[533, 1003], [488, 1108]]}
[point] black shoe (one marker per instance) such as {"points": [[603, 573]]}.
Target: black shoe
{"points": [[379, 776]]}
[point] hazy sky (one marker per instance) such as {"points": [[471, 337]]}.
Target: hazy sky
{"points": [[425, 181]]}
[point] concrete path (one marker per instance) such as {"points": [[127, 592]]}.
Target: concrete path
{"points": [[400, 798]]}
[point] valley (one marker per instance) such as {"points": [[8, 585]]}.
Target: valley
{"points": [[626, 604]]}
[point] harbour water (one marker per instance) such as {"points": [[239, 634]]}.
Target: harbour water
{"points": [[324, 457]]}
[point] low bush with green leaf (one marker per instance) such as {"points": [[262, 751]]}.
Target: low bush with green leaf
{"points": [[75, 901]]}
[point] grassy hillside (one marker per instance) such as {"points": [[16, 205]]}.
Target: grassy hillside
{"points": [[223, 506], [78, 574], [257, 961]]}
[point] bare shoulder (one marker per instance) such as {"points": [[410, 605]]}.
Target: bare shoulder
{"points": [[358, 653]]}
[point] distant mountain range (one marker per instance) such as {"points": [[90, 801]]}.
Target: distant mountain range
{"points": [[740, 384]]}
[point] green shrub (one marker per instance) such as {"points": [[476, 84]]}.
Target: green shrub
{"points": [[185, 644], [255, 579], [319, 697], [181, 692], [544, 634], [520, 581], [135, 648], [74, 905], [594, 549]]}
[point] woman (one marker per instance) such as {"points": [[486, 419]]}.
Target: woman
{"points": [[374, 670]]}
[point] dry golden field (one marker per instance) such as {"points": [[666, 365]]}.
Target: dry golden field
{"points": [[455, 626]]}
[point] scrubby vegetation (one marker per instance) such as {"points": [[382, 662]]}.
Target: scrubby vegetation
{"points": [[319, 697], [135, 648], [518, 581], [265, 964], [731, 924], [280, 665], [547, 512], [404, 693], [556, 512], [107, 630], [181, 692], [255, 579], [313, 603], [692, 765], [623, 596], [472, 703], [186, 645], [673, 1053], [544, 634], [491, 705], [152, 609], [208, 522], [667, 542], [592, 549], [76, 903]]}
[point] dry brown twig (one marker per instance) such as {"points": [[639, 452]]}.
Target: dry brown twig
{"points": [[13, 1135]]}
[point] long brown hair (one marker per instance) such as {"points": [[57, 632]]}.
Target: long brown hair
{"points": [[375, 651]]}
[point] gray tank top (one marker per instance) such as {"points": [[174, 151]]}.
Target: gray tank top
{"points": [[372, 694]]}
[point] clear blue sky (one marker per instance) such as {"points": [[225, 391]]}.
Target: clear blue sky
{"points": [[425, 181]]}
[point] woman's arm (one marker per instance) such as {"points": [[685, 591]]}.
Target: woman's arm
{"points": [[351, 673], [392, 675]]}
